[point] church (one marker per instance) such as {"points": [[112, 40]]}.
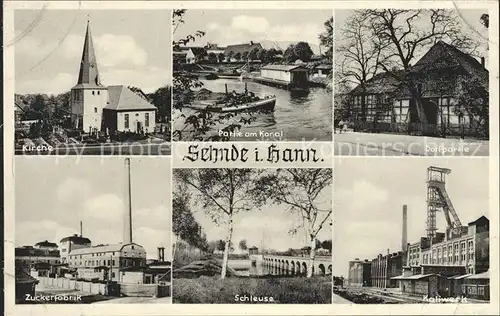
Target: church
{"points": [[96, 108]]}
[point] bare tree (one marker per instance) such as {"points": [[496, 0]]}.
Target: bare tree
{"points": [[301, 191], [401, 35], [222, 194]]}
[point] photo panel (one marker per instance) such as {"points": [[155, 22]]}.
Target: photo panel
{"points": [[252, 75], [411, 231], [422, 91], [252, 236], [90, 82], [92, 230]]}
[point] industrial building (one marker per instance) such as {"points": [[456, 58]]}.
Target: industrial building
{"points": [[453, 263], [121, 266], [360, 273]]}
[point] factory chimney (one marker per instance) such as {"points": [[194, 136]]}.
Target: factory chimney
{"points": [[81, 229], [404, 237], [127, 220]]}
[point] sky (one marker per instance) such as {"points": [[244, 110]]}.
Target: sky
{"points": [[53, 195], [268, 226], [470, 21], [370, 194], [132, 48], [225, 27]]}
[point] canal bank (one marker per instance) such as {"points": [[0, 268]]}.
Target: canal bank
{"points": [[297, 116]]}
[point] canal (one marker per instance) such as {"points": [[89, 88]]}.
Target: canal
{"points": [[298, 116]]}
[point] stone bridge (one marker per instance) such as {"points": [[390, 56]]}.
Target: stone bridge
{"points": [[298, 265]]}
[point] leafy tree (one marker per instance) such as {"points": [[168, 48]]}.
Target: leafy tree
{"points": [[38, 103], [289, 56], [237, 56], [253, 54], [327, 245], [243, 245], [220, 57], [222, 194], [244, 56], [162, 99], [485, 20], [326, 39], [262, 55], [212, 57], [303, 51], [301, 191], [271, 54], [473, 104], [230, 55]]}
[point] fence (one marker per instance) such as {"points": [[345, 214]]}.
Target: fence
{"points": [[436, 130], [145, 290], [89, 287]]}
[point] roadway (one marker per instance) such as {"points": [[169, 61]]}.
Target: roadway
{"points": [[376, 144], [143, 149]]}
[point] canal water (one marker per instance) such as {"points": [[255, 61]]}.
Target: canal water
{"points": [[298, 116]]}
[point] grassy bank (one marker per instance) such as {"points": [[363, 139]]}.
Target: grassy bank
{"points": [[213, 290]]}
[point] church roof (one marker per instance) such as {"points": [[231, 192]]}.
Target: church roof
{"points": [[121, 98], [89, 74]]}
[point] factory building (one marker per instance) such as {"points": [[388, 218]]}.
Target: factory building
{"points": [[106, 262], [360, 273], [31, 256], [385, 267], [71, 243]]}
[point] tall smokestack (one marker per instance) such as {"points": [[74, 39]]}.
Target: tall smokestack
{"points": [[127, 222], [404, 237], [81, 229]]}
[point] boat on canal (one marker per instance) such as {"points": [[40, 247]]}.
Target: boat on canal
{"points": [[264, 105]]}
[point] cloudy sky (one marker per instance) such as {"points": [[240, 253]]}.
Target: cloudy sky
{"points": [[132, 48], [370, 194], [225, 27], [266, 226], [52, 196]]}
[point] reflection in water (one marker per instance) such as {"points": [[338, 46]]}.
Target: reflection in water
{"points": [[300, 115]]}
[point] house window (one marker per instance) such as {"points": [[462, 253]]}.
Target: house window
{"points": [[112, 274], [95, 110], [146, 120], [93, 92], [98, 92], [126, 121]]}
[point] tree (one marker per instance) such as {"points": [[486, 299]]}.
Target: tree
{"points": [[262, 55], [230, 55], [303, 51], [222, 194], [327, 245], [271, 54], [301, 190], [184, 225], [473, 104], [253, 54], [289, 55], [244, 56], [399, 37], [243, 245], [212, 57], [326, 39], [485, 20], [237, 56], [38, 103], [162, 99], [221, 57]]}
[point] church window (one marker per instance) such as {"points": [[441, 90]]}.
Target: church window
{"points": [[93, 92], [98, 92], [146, 120], [95, 110], [126, 121]]}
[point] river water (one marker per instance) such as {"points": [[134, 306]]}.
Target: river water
{"points": [[297, 116]]}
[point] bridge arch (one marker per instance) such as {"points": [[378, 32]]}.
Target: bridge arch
{"points": [[287, 266], [330, 272], [322, 270], [292, 267], [297, 267], [304, 268]]}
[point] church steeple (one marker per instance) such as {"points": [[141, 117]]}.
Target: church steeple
{"points": [[88, 67]]}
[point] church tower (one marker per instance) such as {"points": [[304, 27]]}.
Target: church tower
{"points": [[89, 96]]}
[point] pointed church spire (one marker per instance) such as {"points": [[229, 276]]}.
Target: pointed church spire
{"points": [[88, 66]]}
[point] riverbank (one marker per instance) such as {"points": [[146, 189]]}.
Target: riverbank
{"points": [[213, 290]]}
